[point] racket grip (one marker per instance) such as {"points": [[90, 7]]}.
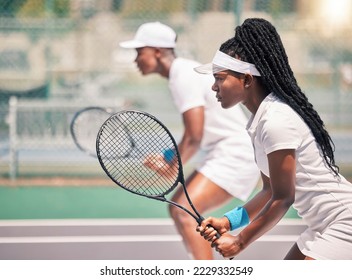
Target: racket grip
{"points": [[218, 235]]}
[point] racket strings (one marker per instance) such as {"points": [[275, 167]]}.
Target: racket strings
{"points": [[160, 139], [118, 133], [85, 126], [144, 137]]}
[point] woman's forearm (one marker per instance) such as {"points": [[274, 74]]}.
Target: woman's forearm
{"points": [[265, 220]]}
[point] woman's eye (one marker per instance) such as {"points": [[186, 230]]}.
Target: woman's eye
{"points": [[218, 78]]}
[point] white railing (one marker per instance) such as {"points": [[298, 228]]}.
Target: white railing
{"points": [[45, 124]]}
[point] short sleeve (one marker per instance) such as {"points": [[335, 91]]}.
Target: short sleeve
{"points": [[279, 132], [186, 87]]}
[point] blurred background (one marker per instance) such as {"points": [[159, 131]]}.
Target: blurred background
{"points": [[59, 56]]}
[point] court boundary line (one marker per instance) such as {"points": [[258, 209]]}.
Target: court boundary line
{"points": [[111, 222], [172, 237], [122, 239]]}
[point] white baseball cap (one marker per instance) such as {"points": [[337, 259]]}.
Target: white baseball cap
{"points": [[152, 34]]}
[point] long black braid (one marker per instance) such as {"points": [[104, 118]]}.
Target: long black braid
{"points": [[257, 41]]}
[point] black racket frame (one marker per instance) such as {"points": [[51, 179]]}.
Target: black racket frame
{"points": [[180, 177]]}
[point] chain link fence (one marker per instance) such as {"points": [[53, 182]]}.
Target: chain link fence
{"points": [[57, 56]]}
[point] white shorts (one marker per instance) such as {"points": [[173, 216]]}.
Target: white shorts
{"points": [[230, 164], [331, 243]]}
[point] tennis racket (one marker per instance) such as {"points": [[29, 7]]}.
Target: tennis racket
{"points": [[152, 166], [85, 125]]}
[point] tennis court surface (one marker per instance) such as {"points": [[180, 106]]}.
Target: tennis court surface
{"points": [[121, 239]]}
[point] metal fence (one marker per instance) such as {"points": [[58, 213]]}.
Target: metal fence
{"points": [[55, 53]]}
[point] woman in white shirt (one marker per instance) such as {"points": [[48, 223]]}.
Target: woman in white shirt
{"points": [[293, 150], [228, 169]]}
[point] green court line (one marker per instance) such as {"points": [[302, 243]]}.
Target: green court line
{"points": [[85, 203]]}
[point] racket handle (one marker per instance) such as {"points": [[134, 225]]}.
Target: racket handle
{"points": [[218, 235], [200, 219]]}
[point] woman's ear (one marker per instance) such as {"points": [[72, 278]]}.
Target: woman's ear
{"points": [[248, 80]]}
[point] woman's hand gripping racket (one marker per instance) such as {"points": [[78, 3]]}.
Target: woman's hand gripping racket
{"points": [[152, 168], [85, 125]]}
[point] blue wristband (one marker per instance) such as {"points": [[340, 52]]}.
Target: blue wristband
{"points": [[237, 217], [169, 155]]}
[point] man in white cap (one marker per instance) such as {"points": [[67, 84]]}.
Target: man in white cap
{"points": [[224, 172]]}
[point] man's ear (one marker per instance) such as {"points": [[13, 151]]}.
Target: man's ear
{"points": [[158, 52]]}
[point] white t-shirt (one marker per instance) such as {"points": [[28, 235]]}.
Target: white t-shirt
{"points": [[190, 89], [320, 198]]}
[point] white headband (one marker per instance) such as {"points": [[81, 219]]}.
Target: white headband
{"points": [[222, 62]]}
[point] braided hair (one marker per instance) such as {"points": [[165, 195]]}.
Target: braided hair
{"points": [[257, 41]]}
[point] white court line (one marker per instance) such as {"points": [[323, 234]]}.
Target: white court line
{"points": [[92, 239], [122, 239], [117, 238], [85, 222], [109, 222]]}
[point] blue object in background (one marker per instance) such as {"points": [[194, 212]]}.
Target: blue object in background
{"points": [[169, 155]]}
